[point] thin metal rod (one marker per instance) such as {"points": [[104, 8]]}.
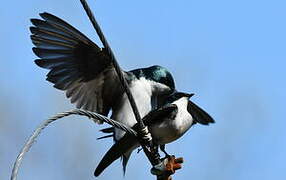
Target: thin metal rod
{"points": [[114, 61]]}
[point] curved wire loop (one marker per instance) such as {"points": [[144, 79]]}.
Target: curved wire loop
{"points": [[91, 115]]}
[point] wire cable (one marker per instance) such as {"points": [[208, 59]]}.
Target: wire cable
{"points": [[91, 115]]}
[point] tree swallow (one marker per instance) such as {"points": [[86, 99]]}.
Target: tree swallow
{"points": [[85, 72], [166, 124]]}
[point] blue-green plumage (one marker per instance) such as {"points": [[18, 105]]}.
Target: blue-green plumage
{"points": [[157, 74]]}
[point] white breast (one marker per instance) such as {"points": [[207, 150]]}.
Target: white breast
{"points": [[172, 129], [141, 91], [183, 120]]}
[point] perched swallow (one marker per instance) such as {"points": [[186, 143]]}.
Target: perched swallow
{"points": [[85, 72], [166, 124]]}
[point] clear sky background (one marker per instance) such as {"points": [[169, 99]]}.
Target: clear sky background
{"points": [[231, 54]]}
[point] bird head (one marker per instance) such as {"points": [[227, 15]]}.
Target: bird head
{"points": [[161, 77]]}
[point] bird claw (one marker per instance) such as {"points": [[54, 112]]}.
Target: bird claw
{"points": [[139, 149], [167, 167]]}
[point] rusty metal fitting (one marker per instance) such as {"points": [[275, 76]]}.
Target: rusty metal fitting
{"points": [[167, 167]]}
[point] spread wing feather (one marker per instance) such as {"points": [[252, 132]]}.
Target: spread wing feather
{"points": [[77, 65]]}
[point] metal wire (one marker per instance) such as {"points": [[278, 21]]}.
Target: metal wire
{"points": [[115, 64], [146, 143], [93, 116]]}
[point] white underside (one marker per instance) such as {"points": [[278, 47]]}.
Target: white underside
{"points": [[166, 132], [141, 91], [172, 129]]}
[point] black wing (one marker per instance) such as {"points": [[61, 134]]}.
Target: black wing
{"points": [[199, 115], [77, 65], [157, 115], [128, 141]]}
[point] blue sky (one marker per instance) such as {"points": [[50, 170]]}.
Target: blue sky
{"points": [[231, 54]]}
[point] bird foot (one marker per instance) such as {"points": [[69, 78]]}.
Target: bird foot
{"points": [[167, 167], [139, 149]]}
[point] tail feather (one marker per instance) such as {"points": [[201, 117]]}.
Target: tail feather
{"points": [[116, 151], [199, 115], [125, 158], [103, 137], [108, 130]]}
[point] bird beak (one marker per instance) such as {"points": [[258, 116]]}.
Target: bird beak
{"points": [[183, 94], [189, 95]]}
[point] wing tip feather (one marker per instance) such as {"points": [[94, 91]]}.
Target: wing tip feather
{"points": [[39, 63], [45, 15], [36, 51]]}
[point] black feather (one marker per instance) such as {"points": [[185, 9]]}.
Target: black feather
{"points": [[108, 130], [52, 53], [55, 20], [199, 115], [76, 64], [53, 63], [43, 43], [44, 25], [103, 137], [53, 35], [67, 81], [115, 152]]}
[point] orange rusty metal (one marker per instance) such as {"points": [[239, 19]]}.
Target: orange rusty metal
{"points": [[171, 166]]}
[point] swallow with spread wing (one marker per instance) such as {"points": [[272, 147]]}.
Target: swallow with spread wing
{"points": [[85, 72]]}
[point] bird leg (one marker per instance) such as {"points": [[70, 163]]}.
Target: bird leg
{"points": [[162, 148], [139, 149]]}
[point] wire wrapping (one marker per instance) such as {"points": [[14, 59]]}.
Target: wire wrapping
{"points": [[93, 116], [146, 135]]}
